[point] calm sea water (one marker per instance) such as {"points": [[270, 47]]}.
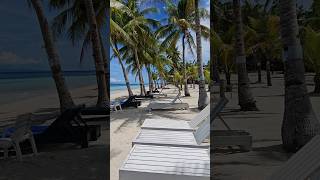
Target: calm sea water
{"points": [[15, 86]]}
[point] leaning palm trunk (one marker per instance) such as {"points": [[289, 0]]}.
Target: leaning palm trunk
{"points": [[105, 54], [142, 88], [150, 78], [53, 58], [246, 100], [203, 100], [317, 83], [124, 71], [185, 80], [268, 73], [96, 49], [300, 123]]}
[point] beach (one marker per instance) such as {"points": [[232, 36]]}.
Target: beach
{"points": [[264, 126]]}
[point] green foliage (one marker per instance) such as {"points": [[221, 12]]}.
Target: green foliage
{"points": [[311, 46]]}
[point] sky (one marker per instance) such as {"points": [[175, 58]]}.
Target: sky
{"points": [[116, 72], [21, 45]]}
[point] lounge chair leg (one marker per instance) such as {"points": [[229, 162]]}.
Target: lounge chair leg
{"points": [[6, 153], [33, 145], [18, 151]]}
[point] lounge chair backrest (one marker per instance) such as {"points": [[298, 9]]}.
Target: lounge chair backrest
{"points": [[204, 129], [177, 97], [22, 127], [304, 164], [200, 117]]}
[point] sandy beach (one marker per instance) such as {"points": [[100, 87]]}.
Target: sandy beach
{"points": [[125, 124], [56, 161]]}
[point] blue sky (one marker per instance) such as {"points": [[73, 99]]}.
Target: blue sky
{"points": [[116, 72], [21, 45]]}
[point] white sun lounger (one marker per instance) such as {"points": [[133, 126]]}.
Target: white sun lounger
{"points": [[168, 106], [182, 125], [303, 165], [147, 162], [175, 138]]}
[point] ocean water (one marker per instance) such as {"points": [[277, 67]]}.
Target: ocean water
{"points": [[15, 86]]}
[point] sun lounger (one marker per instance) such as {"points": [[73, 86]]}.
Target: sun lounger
{"points": [[130, 102], [228, 137], [69, 127], [13, 137], [147, 96], [169, 106], [146, 162], [175, 138], [182, 125], [304, 164]]}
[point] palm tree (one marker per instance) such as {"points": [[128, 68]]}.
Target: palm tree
{"points": [[203, 100], [97, 54], [180, 23], [311, 45], [246, 100], [78, 27], [53, 57], [300, 123]]}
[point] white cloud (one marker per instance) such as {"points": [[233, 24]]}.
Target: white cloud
{"points": [[114, 80], [10, 58]]}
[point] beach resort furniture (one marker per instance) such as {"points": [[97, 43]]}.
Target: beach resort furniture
{"points": [[140, 97], [69, 127], [11, 138], [175, 138], [177, 125], [130, 102], [168, 106], [304, 164], [150, 162], [229, 137], [115, 106]]}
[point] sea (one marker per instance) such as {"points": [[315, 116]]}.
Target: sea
{"points": [[16, 86]]}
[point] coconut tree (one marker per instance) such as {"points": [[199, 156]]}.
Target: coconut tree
{"points": [[65, 98], [203, 100], [78, 28], [246, 100], [180, 25], [300, 123], [97, 54], [311, 45]]}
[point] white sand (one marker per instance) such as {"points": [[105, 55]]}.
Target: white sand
{"points": [[125, 124]]}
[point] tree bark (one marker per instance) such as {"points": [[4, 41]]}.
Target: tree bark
{"points": [[300, 123], [246, 100], [150, 78], [203, 100], [185, 80], [97, 55], [125, 73], [259, 71], [65, 98], [268, 73], [141, 81], [317, 83]]}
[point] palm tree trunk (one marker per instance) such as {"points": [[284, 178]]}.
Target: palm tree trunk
{"points": [[203, 100], [150, 78], [96, 49], [268, 73], [300, 123], [105, 54], [142, 88], [246, 100], [259, 71], [65, 98], [317, 83], [185, 80], [124, 71]]}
